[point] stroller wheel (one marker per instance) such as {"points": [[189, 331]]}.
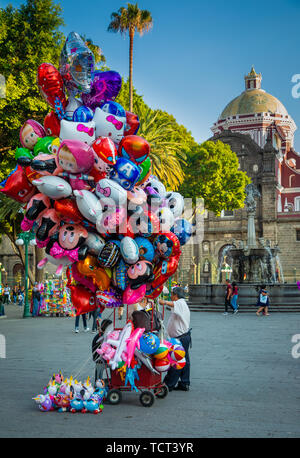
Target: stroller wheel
{"points": [[161, 392], [114, 397], [147, 398]]}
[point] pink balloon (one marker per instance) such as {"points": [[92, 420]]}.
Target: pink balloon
{"points": [[133, 343], [132, 296]]}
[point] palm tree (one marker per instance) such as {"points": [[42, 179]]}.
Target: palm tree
{"points": [[131, 20], [167, 149]]}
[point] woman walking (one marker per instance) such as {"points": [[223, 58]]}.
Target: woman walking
{"points": [[234, 297]]}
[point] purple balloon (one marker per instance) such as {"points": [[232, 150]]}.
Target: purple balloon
{"points": [[105, 87]]}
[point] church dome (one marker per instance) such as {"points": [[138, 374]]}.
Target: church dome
{"points": [[253, 100]]}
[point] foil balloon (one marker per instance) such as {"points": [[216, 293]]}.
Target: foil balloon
{"points": [[52, 124], [126, 173], [111, 192], [145, 167], [106, 150], [83, 114], [104, 88], [48, 225], [132, 124], [108, 298], [54, 187], [82, 131], [129, 250], [83, 300], [88, 204], [140, 274], [43, 145], [30, 133], [146, 249], [95, 243], [23, 153], [163, 270], [67, 210], [37, 205], [89, 267], [51, 85], [82, 279], [166, 219], [132, 296], [183, 230], [134, 148], [146, 224], [109, 255], [44, 164], [175, 202], [154, 293], [120, 275], [167, 245], [76, 64], [17, 186], [110, 121]]}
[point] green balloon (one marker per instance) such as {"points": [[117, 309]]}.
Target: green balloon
{"points": [[43, 146], [145, 167], [23, 152]]}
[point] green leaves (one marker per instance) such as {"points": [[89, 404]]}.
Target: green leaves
{"points": [[211, 172]]}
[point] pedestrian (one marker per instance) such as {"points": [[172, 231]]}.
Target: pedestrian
{"points": [[20, 299], [179, 327], [263, 302], [14, 294], [36, 297], [94, 314], [86, 329], [6, 294], [234, 298], [228, 295]]}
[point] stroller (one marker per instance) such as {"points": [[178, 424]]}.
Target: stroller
{"points": [[150, 382]]}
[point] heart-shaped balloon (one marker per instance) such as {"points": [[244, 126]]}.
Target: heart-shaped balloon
{"points": [[104, 88], [108, 298], [132, 124], [51, 85], [133, 296], [83, 300]]}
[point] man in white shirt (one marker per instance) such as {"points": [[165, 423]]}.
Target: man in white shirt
{"points": [[179, 327]]}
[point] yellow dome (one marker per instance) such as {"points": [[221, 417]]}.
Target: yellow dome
{"points": [[253, 101]]}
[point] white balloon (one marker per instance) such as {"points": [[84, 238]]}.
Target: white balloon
{"points": [[53, 186], [88, 204]]}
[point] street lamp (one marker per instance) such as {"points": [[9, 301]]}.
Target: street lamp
{"points": [[26, 238]]}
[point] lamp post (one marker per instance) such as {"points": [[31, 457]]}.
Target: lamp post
{"points": [[26, 238]]}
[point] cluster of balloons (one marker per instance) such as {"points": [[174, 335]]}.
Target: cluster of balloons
{"points": [[128, 349], [69, 395], [85, 177]]}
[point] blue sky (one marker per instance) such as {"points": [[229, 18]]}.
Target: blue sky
{"points": [[193, 61]]}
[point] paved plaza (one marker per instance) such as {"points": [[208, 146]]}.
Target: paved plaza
{"points": [[245, 382]]}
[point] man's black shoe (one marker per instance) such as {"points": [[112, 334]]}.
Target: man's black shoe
{"points": [[181, 387], [171, 388]]}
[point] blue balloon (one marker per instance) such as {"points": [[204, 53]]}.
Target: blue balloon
{"points": [[113, 108], [149, 343], [83, 114], [146, 248], [183, 229]]}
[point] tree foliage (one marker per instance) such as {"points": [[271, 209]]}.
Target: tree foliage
{"points": [[212, 173]]}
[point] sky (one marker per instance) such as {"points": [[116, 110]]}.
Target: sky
{"points": [[193, 61]]}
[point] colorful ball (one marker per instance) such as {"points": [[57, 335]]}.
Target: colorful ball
{"points": [[161, 352], [162, 365], [149, 343], [180, 364], [177, 353]]}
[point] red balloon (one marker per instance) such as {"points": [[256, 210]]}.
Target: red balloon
{"points": [[83, 300], [67, 210], [134, 148], [51, 85], [163, 270], [155, 293], [18, 187], [52, 124], [105, 149], [132, 124]]}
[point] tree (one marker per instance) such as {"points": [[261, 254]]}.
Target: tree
{"points": [[170, 142], [211, 173], [29, 36], [131, 20]]}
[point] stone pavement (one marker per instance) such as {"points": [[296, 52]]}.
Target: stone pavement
{"points": [[245, 382]]}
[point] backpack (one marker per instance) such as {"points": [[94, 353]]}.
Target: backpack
{"points": [[142, 319]]}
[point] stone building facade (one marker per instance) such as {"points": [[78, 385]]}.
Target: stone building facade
{"points": [[260, 131]]}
